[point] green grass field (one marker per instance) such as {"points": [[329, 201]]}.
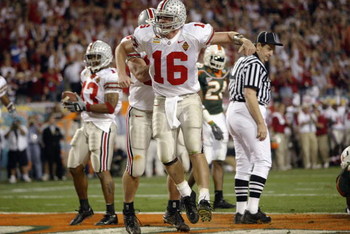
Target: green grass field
{"points": [[294, 191]]}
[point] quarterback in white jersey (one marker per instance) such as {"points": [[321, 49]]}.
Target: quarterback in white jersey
{"points": [[4, 98], [98, 104], [173, 48], [139, 135]]}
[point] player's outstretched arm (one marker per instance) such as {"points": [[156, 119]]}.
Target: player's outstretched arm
{"points": [[121, 52], [139, 69], [111, 101], [11, 108], [247, 47]]}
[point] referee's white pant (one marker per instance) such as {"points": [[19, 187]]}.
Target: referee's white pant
{"points": [[252, 155]]}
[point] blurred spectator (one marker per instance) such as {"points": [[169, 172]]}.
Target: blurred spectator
{"points": [[17, 138], [322, 138], [34, 147], [278, 126], [308, 141], [336, 116], [52, 137]]}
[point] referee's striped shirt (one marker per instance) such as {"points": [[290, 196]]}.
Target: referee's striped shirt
{"points": [[250, 72]]}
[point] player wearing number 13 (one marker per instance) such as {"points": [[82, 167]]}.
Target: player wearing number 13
{"points": [[173, 48], [98, 104]]}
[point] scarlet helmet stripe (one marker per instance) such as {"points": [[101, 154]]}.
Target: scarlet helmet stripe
{"points": [[163, 5], [150, 13]]}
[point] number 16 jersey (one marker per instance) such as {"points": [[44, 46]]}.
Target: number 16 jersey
{"points": [[173, 61]]}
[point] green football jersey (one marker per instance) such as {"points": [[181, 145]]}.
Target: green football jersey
{"points": [[213, 85]]}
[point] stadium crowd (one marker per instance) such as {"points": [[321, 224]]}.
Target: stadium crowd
{"points": [[42, 45]]}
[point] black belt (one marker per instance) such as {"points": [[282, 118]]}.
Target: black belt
{"points": [[260, 103]]}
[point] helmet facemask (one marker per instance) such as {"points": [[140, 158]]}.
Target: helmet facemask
{"points": [[98, 55], [214, 57], [170, 16]]}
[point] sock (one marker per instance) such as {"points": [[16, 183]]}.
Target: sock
{"points": [[184, 189], [241, 190], [173, 205], [129, 207], [84, 204], [203, 194], [110, 209], [256, 186], [218, 195]]}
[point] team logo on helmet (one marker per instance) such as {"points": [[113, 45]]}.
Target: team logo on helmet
{"points": [[215, 57]]}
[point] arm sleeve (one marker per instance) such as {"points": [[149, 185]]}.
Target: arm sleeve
{"points": [[202, 32]]}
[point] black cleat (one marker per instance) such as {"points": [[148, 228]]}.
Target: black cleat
{"points": [[176, 220], [204, 210], [82, 214], [238, 218], [222, 204], [191, 207], [131, 223], [259, 217], [108, 219]]}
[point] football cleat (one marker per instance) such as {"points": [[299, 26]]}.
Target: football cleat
{"points": [[175, 218], [191, 207], [108, 219], [260, 217], [222, 204], [204, 210], [238, 218], [131, 223], [81, 216]]}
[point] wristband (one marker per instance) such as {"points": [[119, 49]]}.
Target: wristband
{"points": [[88, 106], [109, 107], [237, 39]]}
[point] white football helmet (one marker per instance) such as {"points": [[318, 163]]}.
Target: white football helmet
{"points": [[174, 11], [345, 157], [98, 55], [146, 16], [215, 57]]}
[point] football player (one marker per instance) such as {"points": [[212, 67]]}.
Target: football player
{"points": [[4, 97], [212, 79], [98, 105], [173, 48], [343, 180], [139, 134]]}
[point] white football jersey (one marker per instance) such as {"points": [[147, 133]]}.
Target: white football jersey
{"points": [[94, 88], [3, 86], [173, 62]]}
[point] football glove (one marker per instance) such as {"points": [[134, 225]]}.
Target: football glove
{"points": [[218, 134], [76, 106]]}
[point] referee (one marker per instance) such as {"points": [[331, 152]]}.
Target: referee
{"points": [[250, 92]]}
